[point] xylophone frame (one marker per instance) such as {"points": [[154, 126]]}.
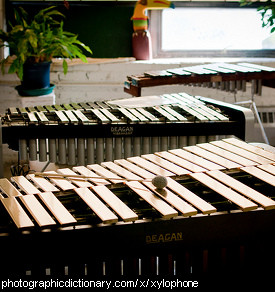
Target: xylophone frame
{"points": [[240, 123], [221, 246], [134, 84], [225, 244]]}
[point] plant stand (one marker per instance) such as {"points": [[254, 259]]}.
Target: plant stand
{"points": [[25, 101]]}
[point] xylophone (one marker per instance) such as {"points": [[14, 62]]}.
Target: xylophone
{"points": [[216, 215], [223, 76], [85, 133]]}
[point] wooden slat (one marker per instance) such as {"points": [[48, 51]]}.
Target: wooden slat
{"points": [[136, 113], [58, 107], [242, 152], [178, 71], [62, 116], [243, 203], [260, 174], [62, 215], [8, 188], [67, 106], [81, 116], [129, 115], [238, 68], [80, 182], [172, 199], [50, 109], [227, 154], [100, 115], [190, 197], [181, 162], [115, 203], [258, 67], [42, 183], [23, 110], [187, 98], [174, 113], [157, 203], [17, 213], [76, 106], [13, 110], [198, 69], [256, 196], [25, 185], [214, 113], [109, 115], [120, 170], [161, 73], [166, 164], [105, 173], [215, 67], [32, 117], [87, 172], [205, 113], [196, 159], [268, 167], [150, 166], [148, 115], [192, 112], [71, 116], [164, 113], [134, 168], [62, 183], [100, 209], [213, 157], [42, 117], [38, 212], [252, 148]]}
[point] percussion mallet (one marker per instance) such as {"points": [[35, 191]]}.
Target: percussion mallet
{"points": [[158, 181]]}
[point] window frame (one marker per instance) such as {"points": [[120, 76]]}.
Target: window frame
{"points": [[155, 27]]}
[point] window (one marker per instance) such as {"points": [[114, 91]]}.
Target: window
{"points": [[210, 32]]}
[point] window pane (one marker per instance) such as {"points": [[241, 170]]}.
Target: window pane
{"points": [[214, 29]]}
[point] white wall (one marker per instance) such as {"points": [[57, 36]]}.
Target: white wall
{"points": [[104, 81]]}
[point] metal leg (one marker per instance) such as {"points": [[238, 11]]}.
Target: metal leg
{"points": [[257, 116], [45, 166], [256, 113]]}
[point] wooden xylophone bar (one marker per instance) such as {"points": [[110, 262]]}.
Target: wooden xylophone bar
{"points": [[217, 208], [87, 133], [223, 76]]}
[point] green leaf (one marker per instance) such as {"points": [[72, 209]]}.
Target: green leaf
{"points": [[41, 38], [65, 67], [31, 37]]}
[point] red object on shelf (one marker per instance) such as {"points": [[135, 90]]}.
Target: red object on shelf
{"points": [[142, 46]]}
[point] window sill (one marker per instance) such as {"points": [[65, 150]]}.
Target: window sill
{"points": [[179, 61]]}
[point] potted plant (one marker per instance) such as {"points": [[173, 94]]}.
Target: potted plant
{"points": [[33, 43]]}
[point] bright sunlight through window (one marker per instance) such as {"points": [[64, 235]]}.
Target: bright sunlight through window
{"points": [[214, 29]]}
